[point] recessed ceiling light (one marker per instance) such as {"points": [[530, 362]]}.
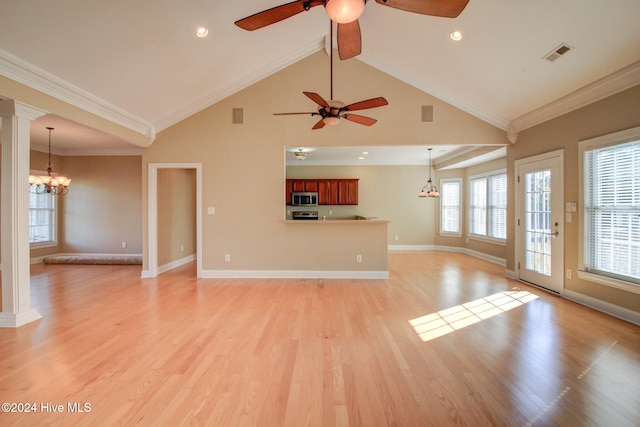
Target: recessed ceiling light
{"points": [[456, 35], [360, 158], [202, 32]]}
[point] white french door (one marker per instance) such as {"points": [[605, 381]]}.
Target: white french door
{"points": [[539, 224]]}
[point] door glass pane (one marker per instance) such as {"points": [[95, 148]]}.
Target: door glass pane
{"points": [[538, 222]]}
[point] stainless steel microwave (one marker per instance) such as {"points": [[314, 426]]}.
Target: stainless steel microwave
{"points": [[304, 198]]}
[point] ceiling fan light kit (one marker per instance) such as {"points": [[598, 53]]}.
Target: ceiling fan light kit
{"points": [[332, 111], [344, 11]]}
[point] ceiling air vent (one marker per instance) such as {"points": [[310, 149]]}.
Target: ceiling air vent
{"points": [[557, 52]]}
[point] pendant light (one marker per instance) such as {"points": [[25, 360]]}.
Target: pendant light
{"points": [[429, 190], [49, 184]]}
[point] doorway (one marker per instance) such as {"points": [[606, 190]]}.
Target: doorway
{"points": [[152, 217], [539, 197]]}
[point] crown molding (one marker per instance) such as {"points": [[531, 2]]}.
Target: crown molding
{"points": [[616, 82], [36, 78], [93, 152], [239, 84]]}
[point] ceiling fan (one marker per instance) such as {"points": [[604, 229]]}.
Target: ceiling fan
{"points": [[332, 111], [346, 13]]}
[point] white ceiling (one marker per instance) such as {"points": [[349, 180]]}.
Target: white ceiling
{"points": [[140, 60]]}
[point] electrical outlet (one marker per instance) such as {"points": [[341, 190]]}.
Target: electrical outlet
{"points": [[396, 237], [227, 258], [568, 273], [124, 244], [181, 248], [358, 258]]}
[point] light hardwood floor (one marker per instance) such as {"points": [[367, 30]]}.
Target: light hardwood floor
{"points": [[180, 351]]}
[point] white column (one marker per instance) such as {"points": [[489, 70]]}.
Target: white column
{"points": [[16, 141]]}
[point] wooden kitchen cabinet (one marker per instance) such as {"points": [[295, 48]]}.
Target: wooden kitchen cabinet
{"points": [[303, 184], [348, 192], [330, 191]]}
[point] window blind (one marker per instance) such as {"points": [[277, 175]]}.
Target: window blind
{"points": [[612, 211], [498, 206], [450, 207], [42, 218]]}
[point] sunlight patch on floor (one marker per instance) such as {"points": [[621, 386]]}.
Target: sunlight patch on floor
{"points": [[445, 321]]}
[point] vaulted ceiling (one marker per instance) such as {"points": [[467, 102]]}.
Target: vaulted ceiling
{"points": [[142, 61]]}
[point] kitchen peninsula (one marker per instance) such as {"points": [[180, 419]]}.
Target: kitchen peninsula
{"points": [[340, 248], [339, 237]]}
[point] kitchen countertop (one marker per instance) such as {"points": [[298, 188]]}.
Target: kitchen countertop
{"points": [[355, 220]]}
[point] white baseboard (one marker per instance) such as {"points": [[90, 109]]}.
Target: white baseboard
{"points": [[392, 248], [174, 264], [603, 306], [15, 320], [293, 274]]}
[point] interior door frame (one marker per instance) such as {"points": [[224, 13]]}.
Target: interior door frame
{"points": [[152, 215], [519, 210]]}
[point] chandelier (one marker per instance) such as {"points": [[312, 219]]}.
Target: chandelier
{"points": [[429, 190], [49, 184]]}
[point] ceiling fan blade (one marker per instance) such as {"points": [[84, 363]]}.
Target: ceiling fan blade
{"points": [[444, 8], [349, 40], [367, 121], [316, 98], [318, 125], [293, 114], [276, 14], [363, 105]]}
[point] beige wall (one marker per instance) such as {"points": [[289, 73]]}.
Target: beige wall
{"points": [[619, 112], [243, 164], [103, 206], [176, 214]]}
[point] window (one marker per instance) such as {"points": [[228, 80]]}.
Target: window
{"points": [[42, 219], [450, 192], [488, 205], [611, 207]]}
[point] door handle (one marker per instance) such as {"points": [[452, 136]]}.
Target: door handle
{"points": [[557, 233]]}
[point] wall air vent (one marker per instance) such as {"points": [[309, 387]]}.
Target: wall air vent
{"points": [[558, 52], [237, 116], [427, 113]]}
